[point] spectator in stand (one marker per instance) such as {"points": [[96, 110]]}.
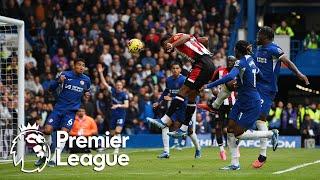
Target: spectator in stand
{"points": [[284, 29], [29, 60], [202, 125], [275, 115], [311, 110], [312, 40], [230, 11], [59, 60], [289, 120], [309, 129], [148, 59]]}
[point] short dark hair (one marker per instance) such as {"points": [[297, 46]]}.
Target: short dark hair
{"points": [[175, 63], [79, 60], [268, 32], [243, 47], [164, 38]]}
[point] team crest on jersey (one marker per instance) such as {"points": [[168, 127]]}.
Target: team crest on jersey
{"points": [[82, 82]]}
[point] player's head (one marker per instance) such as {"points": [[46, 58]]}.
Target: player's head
{"points": [[230, 61], [79, 66], [164, 42], [175, 68], [81, 112], [265, 35], [242, 48], [119, 85]]}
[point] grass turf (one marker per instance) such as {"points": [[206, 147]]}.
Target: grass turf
{"points": [[182, 165]]}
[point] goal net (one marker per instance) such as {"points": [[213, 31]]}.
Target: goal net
{"points": [[11, 84]]}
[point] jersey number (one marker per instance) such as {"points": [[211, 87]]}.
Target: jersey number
{"points": [[254, 71]]}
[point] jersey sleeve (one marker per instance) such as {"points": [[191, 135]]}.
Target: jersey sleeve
{"points": [[54, 84], [276, 51]]}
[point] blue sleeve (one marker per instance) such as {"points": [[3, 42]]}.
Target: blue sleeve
{"points": [[164, 93], [276, 51], [54, 84], [233, 73]]}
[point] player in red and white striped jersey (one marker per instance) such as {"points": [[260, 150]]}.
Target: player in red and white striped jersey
{"points": [[193, 50]]}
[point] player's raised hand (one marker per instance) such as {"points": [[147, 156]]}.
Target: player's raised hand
{"points": [[62, 78], [100, 69], [304, 78]]}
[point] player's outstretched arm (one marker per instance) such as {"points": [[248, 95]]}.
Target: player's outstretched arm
{"points": [[183, 39], [55, 83], [294, 69], [233, 73], [203, 40], [103, 80]]}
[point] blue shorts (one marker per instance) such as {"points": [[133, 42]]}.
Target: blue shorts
{"points": [[267, 98], [245, 114], [179, 115], [117, 121], [59, 119]]}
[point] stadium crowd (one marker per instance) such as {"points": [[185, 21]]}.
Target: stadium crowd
{"points": [[98, 30]]}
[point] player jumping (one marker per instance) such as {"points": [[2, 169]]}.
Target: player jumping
{"points": [[246, 110], [191, 48], [74, 85], [120, 102], [221, 116], [268, 59], [173, 84]]}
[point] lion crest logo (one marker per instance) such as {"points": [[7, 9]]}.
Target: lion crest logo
{"points": [[41, 149]]}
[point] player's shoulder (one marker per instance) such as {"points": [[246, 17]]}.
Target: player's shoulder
{"points": [[273, 47], [85, 77], [182, 77]]}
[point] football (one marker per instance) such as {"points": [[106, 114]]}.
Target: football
{"points": [[135, 46]]}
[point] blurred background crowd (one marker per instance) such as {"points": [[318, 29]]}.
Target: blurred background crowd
{"points": [[60, 31]]}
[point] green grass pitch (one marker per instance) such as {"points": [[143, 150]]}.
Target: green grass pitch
{"points": [[182, 165]]}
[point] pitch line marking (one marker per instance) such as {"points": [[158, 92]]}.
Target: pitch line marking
{"points": [[297, 167]]}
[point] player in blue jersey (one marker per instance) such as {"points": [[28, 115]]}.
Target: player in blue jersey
{"points": [[268, 59], [74, 84], [247, 108], [173, 84], [120, 102]]}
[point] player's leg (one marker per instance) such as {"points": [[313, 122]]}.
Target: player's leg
{"points": [[215, 105], [51, 124], [118, 130], [165, 140], [194, 138], [67, 120], [219, 137], [266, 103], [176, 103]]}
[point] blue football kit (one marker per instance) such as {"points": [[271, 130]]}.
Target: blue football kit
{"points": [[267, 60], [246, 109], [118, 115], [69, 99]]}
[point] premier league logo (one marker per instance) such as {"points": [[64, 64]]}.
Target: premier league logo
{"points": [[33, 136]]}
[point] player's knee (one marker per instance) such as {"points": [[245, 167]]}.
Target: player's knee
{"points": [[190, 131], [184, 91], [48, 130], [218, 131]]}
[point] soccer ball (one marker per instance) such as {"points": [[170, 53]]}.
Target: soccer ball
{"points": [[135, 46]]}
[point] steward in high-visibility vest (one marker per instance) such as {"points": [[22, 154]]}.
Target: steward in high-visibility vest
{"points": [[284, 30], [312, 112]]}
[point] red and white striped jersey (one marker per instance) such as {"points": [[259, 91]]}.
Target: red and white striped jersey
{"points": [[191, 48], [218, 74]]}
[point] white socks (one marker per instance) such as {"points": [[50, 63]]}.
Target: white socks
{"points": [[165, 119], [233, 147], [48, 141], [165, 139], [250, 134], [184, 127], [195, 141], [262, 126], [54, 157], [222, 95]]}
